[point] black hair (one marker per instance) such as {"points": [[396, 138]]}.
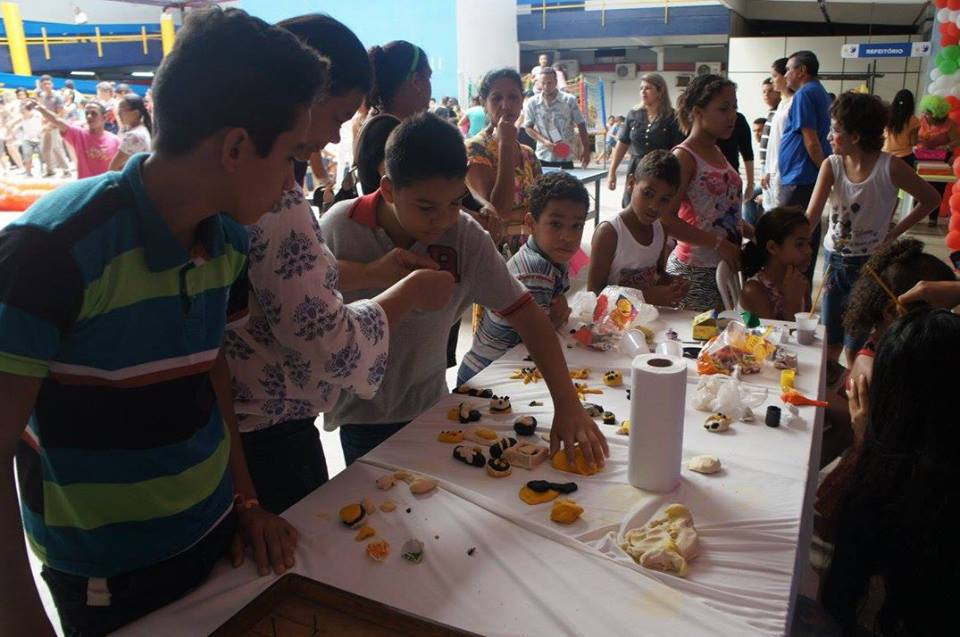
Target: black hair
{"points": [[350, 68], [393, 64], [808, 60], [659, 164], [371, 147], [136, 103], [767, 81], [780, 65], [20, 90], [863, 115], [231, 70], [68, 84], [486, 84], [557, 185], [901, 110], [548, 70], [775, 225], [896, 516], [425, 147], [760, 120], [97, 104], [701, 90], [901, 265], [46, 78], [621, 118]]}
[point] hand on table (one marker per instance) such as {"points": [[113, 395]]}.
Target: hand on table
{"points": [[575, 426], [397, 264], [271, 539], [667, 294]]}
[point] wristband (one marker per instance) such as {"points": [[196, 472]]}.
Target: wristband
{"points": [[241, 504]]}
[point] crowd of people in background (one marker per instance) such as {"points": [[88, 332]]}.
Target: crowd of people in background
{"points": [[49, 132]]}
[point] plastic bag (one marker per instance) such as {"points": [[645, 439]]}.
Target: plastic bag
{"points": [[614, 311], [735, 345]]}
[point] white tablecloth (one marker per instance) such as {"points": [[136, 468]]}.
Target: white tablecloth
{"points": [[531, 576]]}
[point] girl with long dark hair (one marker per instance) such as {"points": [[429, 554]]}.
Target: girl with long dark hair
{"points": [[900, 135], [136, 127]]}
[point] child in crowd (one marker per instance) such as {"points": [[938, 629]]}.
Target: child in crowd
{"points": [[894, 559], [284, 361], [900, 265], [630, 250], [558, 211], [708, 224], [114, 299], [862, 184], [418, 207], [775, 262], [937, 138]]}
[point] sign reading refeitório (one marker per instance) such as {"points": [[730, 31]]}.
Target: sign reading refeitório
{"points": [[886, 50]]}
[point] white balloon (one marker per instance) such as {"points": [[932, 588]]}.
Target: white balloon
{"points": [[932, 89], [943, 15], [935, 74], [956, 18]]}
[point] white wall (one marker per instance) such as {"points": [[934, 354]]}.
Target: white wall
{"points": [[750, 59], [486, 40]]}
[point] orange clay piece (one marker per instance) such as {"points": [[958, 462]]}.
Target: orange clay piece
{"points": [[532, 497], [794, 397], [364, 533], [580, 463], [580, 374], [583, 390], [450, 436], [565, 511], [454, 414], [378, 550]]}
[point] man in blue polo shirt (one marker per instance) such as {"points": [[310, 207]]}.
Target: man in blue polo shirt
{"points": [[114, 297], [804, 144]]}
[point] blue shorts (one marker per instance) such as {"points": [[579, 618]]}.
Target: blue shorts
{"points": [[838, 284]]}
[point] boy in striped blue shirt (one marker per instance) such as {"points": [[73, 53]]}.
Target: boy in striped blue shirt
{"points": [[115, 292], [558, 212]]}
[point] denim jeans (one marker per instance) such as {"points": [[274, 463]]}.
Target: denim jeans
{"points": [[838, 284], [752, 211], [358, 440]]}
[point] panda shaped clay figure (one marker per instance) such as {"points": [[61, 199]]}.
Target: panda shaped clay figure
{"points": [[500, 404], [613, 378], [717, 423]]}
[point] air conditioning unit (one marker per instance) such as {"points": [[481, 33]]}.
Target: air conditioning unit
{"points": [[625, 71], [707, 68], [571, 67]]}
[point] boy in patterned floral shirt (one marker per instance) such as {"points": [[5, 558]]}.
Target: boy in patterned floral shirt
{"points": [[303, 345]]}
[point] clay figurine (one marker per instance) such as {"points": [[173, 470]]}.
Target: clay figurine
{"points": [[613, 378], [717, 423], [497, 448], [469, 455], [525, 425], [500, 405]]}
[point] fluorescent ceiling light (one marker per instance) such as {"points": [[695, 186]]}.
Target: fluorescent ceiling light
{"points": [[83, 73], [142, 74]]}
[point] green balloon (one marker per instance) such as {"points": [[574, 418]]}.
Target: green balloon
{"points": [[938, 60], [948, 67], [952, 52]]}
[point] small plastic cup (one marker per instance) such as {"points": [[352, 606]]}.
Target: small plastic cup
{"points": [[670, 348], [806, 327], [634, 343]]}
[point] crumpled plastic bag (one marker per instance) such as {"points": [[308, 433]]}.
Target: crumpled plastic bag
{"points": [[735, 345], [604, 318]]}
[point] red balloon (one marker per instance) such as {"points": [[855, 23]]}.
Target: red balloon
{"points": [[952, 30], [941, 3], [954, 116], [949, 40], [953, 4], [953, 240], [955, 223], [942, 28]]}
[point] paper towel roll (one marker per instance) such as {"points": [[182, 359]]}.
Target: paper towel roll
{"points": [[657, 404]]}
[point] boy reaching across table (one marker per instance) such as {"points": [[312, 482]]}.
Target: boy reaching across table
{"points": [[418, 207], [113, 305]]}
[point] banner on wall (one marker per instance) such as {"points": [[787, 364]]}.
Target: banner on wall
{"points": [[886, 50]]}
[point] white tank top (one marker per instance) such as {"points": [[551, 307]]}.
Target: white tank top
{"points": [[857, 215], [634, 264]]}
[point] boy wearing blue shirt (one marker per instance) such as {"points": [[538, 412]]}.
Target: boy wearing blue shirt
{"points": [[114, 298]]}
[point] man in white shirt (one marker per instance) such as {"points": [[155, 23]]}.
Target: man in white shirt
{"points": [[553, 118], [544, 62]]}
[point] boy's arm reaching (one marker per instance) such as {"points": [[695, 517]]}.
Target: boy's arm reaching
{"points": [[571, 424]]}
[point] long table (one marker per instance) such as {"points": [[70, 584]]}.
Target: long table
{"points": [[527, 575], [586, 176]]}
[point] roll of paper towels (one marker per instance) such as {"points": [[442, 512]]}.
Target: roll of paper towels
{"points": [[657, 404]]}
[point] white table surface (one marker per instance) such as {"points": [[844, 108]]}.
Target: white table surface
{"points": [[530, 576]]}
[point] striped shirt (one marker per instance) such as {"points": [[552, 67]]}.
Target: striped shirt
{"points": [[544, 279], [124, 460]]}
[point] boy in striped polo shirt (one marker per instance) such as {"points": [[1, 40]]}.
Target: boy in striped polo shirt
{"points": [[114, 297], [558, 212]]}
